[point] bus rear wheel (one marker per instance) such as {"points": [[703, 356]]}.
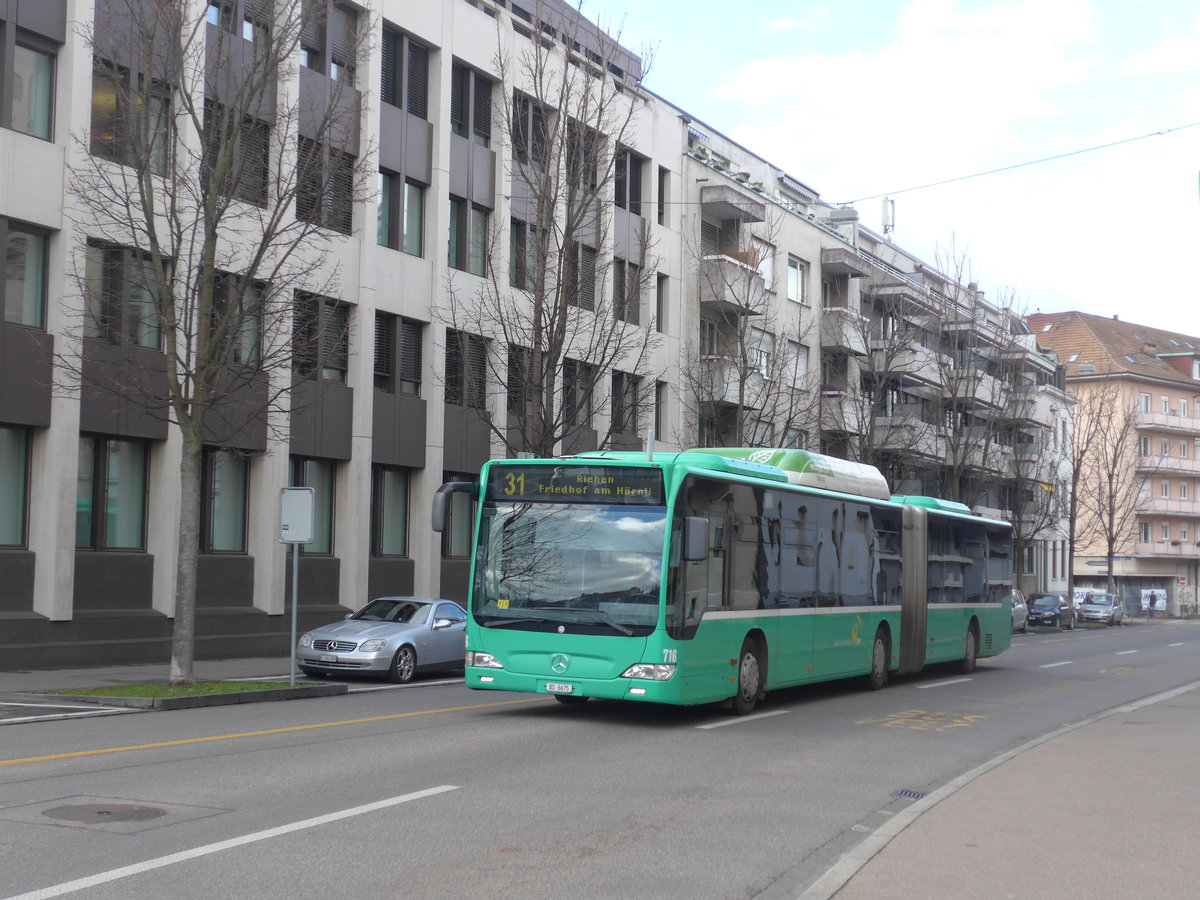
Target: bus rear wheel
{"points": [[879, 662], [749, 679]]}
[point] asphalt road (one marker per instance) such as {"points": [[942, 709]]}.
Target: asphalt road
{"points": [[445, 792]]}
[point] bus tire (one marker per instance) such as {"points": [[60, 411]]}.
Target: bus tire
{"points": [[749, 679], [570, 699], [880, 655], [971, 654]]}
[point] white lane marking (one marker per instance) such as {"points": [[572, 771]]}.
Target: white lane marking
{"points": [[936, 684], [740, 719], [55, 705], [1066, 662], [1176, 644], [1125, 652], [53, 717], [79, 884]]}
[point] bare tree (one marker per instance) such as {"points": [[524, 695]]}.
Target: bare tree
{"points": [[1112, 482], [208, 194], [747, 379], [561, 310]]}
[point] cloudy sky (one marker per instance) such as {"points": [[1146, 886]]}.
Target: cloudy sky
{"points": [[864, 97]]}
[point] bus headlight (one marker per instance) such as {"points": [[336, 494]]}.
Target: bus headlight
{"points": [[482, 660], [650, 672]]}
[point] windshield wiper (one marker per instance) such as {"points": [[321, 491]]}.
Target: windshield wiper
{"points": [[501, 622]]}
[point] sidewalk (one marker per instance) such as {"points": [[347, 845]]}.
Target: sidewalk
{"points": [[25, 681], [1104, 810]]}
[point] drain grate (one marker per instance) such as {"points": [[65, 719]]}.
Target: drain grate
{"points": [[908, 794], [91, 813]]}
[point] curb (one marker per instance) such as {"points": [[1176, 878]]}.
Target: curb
{"points": [[300, 692]]}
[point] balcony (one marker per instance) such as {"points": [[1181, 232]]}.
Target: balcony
{"points": [[916, 361], [844, 329], [841, 412], [978, 386], [1168, 465], [1168, 506], [906, 295], [724, 203], [1161, 421], [730, 287], [725, 383], [908, 435], [1188, 549], [843, 261]]}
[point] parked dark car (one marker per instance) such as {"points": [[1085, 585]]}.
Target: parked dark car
{"points": [[391, 637], [1055, 610]]}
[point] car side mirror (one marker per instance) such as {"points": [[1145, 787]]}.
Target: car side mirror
{"points": [[439, 624]]}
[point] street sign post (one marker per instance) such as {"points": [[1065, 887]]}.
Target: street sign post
{"points": [[296, 506]]}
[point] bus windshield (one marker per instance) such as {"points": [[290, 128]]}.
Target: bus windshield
{"points": [[592, 568]]}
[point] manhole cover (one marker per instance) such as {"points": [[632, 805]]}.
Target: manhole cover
{"points": [[91, 813]]}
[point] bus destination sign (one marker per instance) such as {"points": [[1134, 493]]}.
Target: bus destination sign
{"points": [[575, 484]]}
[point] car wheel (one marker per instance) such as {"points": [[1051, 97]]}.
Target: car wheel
{"points": [[971, 654], [404, 665], [879, 662], [1025, 627], [570, 700], [749, 679], [1071, 624]]}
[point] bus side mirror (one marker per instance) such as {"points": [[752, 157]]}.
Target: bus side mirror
{"points": [[695, 538], [441, 501]]}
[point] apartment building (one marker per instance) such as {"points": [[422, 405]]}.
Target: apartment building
{"points": [[1138, 390], [711, 299]]}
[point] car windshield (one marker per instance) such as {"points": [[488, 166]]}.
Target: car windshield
{"points": [[1101, 600], [393, 609], [1046, 602], [590, 565]]}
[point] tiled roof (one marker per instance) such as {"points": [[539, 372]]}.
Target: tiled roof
{"points": [[1095, 345]]}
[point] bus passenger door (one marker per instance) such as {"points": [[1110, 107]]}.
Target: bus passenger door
{"points": [[705, 594]]}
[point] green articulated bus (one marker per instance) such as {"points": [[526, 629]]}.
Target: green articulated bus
{"points": [[719, 574]]}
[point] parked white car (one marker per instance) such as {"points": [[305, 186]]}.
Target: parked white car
{"points": [[1020, 612], [1104, 608]]}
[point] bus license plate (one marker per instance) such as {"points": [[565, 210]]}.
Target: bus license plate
{"points": [[328, 657], [555, 688]]}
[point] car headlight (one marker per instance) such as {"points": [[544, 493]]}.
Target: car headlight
{"points": [[372, 646], [482, 660], [650, 672], [305, 640]]}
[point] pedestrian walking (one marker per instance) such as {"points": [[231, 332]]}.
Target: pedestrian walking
{"points": [[1153, 601]]}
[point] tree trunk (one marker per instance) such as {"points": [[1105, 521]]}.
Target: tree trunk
{"points": [[184, 631]]}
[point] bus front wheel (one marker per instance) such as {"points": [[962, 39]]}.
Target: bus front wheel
{"points": [[971, 654], [749, 679], [879, 662]]}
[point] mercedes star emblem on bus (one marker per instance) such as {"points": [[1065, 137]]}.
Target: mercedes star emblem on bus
{"points": [[560, 662]]}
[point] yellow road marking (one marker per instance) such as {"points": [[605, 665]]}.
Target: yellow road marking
{"points": [[246, 734]]}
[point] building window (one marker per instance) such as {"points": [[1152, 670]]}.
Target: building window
{"points": [[226, 481], [246, 146], [121, 297], [1183, 408], [764, 260], [523, 267], [1027, 560], [520, 385], [625, 398], [1166, 531], [329, 32], [627, 180], [385, 352], [1183, 490], [466, 370], [663, 182], [1184, 450], [1143, 403], [529, 130], [325, 186], [797, 280], [456, 538], [468, 238], [1164, 447], [627, 282], [1165, 489], [1143, 532], [797, 364], [1164, 405], [1143, 446], [30, 83], [709, 344], [320, 337], [237, 319], [401, 223], [661, 412], [578, 380], [581, 276], [23, 291], [760, 351], [405, 73], [470, 104], [14, 485], [387, 364], [318, 474], [793, 438], [110, 505], [661, 298], [389, 511], [1183, 531], [131, 118]]}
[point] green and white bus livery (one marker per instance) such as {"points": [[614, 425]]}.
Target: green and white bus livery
{"points": [[717, 574]]}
